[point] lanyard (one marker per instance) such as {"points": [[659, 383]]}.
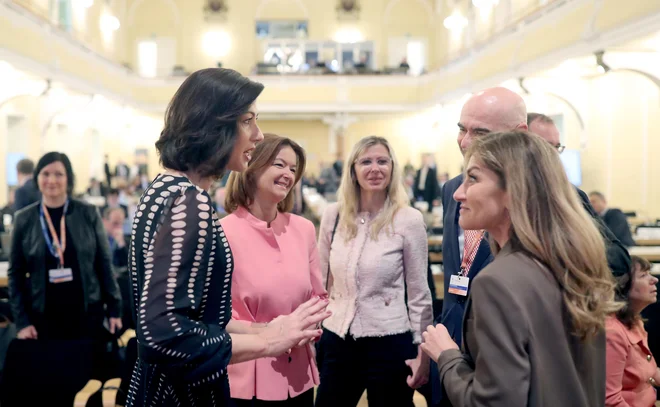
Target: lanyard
{"points": [[468, 254], [56, 245]]}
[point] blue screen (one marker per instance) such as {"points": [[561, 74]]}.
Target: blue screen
{"points": [[12, 160], [572, 165]]}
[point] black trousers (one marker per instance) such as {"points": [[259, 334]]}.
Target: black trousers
{"points": [[349, 366], [305, 399]]}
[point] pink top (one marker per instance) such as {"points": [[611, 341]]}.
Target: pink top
{"points": [[629, 366], [276, 269]]}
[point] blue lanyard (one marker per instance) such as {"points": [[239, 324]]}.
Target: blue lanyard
{"points": [[44, 230]]}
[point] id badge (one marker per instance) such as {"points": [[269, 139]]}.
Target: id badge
{"points": [[459, 285], [56, 276]]}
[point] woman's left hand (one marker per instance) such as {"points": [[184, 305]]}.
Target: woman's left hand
{"points": [[436, 341], [115, 325]]}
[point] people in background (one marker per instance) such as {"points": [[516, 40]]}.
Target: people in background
{"points": [[632, 373], [614, 218], [180, 262], [617, 255], [96, 188], [61, 284], [534, 326], [426, 187], [112, 202], [374, 252], [122, 171], [27, 191], [328, 180], [106, 171], [113, 221], [283, 276]]}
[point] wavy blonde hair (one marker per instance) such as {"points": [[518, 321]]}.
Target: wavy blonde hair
{"points": [[348, 194], [549, 223]]}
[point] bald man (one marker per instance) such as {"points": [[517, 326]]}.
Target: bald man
{"points": [[490, 111]]}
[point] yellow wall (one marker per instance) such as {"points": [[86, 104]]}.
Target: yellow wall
{"points": [[312, 135]]}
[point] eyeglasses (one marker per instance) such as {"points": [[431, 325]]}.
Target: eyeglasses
{"points": [[560, 148], [367, 162]]}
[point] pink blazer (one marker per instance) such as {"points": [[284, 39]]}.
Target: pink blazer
{"points": [[629, 366], [276, 269]]}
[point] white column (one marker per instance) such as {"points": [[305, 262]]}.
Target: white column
{"points": [[337, 126]]}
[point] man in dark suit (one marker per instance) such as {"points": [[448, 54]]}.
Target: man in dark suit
{"points": [[614, 218], [617, 255], [27, 192], [426, 186], [107, 172]]}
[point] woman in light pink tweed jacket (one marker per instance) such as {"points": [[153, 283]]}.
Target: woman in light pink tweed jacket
{"points": [[373, 252]]}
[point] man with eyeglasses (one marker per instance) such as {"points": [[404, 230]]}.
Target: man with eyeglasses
{"points": [[544, 126]]}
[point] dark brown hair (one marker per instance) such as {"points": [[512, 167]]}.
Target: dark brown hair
{"points": [[201, 121], [622, 290], [242, 186]]}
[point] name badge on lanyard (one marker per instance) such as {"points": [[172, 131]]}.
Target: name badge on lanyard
{"points": [[56, 244], [458, 284]]}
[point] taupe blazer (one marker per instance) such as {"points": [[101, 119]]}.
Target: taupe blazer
{"points": [[518, 349]]}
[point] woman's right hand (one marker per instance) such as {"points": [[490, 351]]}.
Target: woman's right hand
{"points": [[287, 331], [29, 332]]}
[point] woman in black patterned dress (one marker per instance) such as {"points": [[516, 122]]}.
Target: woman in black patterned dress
{"points": [[181, 263]]}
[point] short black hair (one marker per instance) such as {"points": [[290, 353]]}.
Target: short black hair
{"points": [[539, 116], [113, 191], [201, 121], [25, 167], [52, 157]]}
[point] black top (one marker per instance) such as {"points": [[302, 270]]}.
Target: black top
{"points": [[180, 264], [64, 315]]}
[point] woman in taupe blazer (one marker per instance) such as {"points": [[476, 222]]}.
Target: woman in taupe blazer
{"points": [[533, 329]]}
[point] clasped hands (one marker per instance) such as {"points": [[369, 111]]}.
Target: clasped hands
{"points": [[296, 329]]}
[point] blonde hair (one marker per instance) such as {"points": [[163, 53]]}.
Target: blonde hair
{"points": [[241, 186], [348, 194], [549, 223]]}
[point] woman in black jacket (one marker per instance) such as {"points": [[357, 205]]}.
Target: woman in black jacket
{"points": [[61, 284]]}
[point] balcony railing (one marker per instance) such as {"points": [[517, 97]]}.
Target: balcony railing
{"points": [[46, 15], [484, 34]]}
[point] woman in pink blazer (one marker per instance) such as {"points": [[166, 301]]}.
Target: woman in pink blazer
{"points": [[276, 269], [632, 373]]}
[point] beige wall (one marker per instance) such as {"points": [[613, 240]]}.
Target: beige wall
{"points": [[312, 135]]}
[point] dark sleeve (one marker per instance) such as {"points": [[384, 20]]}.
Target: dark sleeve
{"points": [[166, 324], [120, 257], [416, 185], [16, 274], [20, 198], [103, 267], [618, 257], [501, 376], [620, 227]]}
